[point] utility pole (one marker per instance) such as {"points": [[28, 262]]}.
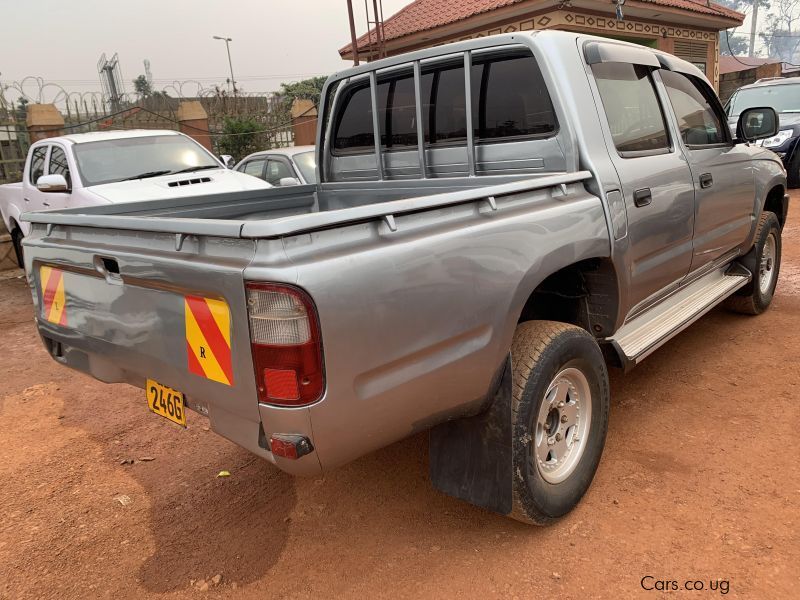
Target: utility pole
{"points": [[228, 41], [753, 25], [353, 41]]}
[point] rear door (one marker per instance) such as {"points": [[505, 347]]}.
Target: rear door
{"points": [[655, 179], [722, 171]]}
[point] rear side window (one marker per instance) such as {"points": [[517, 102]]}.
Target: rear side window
{"points": [[698, 121], [37, 164], [354, 125], [444, 105], [58, 165], [510, 98], [634, 114], [397, 113], [508, 95]]}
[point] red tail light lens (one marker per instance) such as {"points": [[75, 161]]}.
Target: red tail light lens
{"points": [[286, 345]]}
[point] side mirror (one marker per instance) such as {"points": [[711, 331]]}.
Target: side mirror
{"points": [[757, 124], [226, 160], [52, 183], [287, 181]]}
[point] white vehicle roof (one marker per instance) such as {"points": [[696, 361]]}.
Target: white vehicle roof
{"points": [[99, 136], [291, 151]]}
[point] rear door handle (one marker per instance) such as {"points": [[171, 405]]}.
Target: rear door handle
{"points": [[642, 197], [706, 180]]}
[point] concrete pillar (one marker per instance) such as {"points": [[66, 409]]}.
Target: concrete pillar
{"points": [[304, 122], [43, 121], [193, 121]]}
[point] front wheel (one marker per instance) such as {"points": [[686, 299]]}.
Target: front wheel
{"points": [[764, 262], [16, 240], [560, 405]]}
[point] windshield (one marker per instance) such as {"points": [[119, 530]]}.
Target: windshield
{"points": [[128, 158], [307, 164], [783, 98]]}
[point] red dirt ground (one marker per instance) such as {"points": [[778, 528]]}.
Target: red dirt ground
{"points": [[700, 480]]}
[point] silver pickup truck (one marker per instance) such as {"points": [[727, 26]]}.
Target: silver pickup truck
{"points": [[494, 222]]}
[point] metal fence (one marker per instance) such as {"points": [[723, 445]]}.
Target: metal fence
{"points": [[266, 118], [14, 141]]}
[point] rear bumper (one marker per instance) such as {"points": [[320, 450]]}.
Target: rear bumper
{"points": [[106, 362]]}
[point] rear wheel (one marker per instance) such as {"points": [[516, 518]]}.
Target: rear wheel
{"points": [[560, 415], [16, 240], [764, 262]]}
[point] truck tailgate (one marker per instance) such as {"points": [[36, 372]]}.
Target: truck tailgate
{"points": [[125, 306]]}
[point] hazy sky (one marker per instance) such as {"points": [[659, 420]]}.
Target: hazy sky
{"points": [[273, 40]]}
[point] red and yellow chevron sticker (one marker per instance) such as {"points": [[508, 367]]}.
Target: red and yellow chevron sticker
{"points": [[53, 299], [208, 338]]}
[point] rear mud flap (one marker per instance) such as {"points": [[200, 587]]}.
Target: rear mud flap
{"points": [[470, 458]]}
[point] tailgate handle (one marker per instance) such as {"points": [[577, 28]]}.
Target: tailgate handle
{"points": [[108, 268]]}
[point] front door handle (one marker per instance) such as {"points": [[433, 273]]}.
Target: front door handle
{"points": [[642, 197], [706, 180]]}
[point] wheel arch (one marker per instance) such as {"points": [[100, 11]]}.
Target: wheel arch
{"points": [[776, 201]]}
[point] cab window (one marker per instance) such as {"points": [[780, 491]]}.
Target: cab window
{"points": [[58, 165], [698, 121], [37, 164], [277, 170]]}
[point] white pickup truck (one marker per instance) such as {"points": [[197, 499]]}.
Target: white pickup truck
{"points": [[90, 169]]}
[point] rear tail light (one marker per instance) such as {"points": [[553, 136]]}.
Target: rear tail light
{"points": [[285, 339]]}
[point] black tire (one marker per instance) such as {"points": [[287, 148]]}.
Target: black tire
{"points": [[541, 350], [16, 240], [752, 299], [793, 170]]}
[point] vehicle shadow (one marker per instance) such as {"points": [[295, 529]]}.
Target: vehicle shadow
{"points": [[200, 525]]}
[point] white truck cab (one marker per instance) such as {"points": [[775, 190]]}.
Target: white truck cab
{"points": [[90, 169]]}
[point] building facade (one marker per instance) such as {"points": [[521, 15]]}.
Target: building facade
{"points": [[687, 28]]}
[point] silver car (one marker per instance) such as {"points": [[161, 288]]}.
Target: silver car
{"points": [[282, 166]]}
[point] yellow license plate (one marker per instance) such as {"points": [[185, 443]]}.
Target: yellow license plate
{"points": [[166, 402]]}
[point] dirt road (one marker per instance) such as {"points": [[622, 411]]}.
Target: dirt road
{"points": [[700, 481]]}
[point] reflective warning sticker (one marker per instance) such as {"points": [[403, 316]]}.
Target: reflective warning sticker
{"points": [[53, 299], [208, 338]]}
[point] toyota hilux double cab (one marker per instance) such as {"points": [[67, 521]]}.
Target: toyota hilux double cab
{"points": [[494, 222]]}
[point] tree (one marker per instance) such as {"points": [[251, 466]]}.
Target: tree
{"points": [[308, 89], [240, 136], [780, 35], [732, 45], [142, 87], [737, 43]]}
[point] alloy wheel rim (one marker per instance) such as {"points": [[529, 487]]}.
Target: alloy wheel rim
{"points": [[766, 270], [562, 425]]}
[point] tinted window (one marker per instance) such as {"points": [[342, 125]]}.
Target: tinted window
{"points": [[397, 113], [509, 98], [37, 164], [277, 170], [698, 122], [354, 124], [631, 106], [254, 167], [444, 105], [58, 164]]}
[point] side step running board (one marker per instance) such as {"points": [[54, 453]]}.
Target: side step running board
{"points": [[638, 338]]}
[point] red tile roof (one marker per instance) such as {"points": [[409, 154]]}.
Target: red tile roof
{"points": [[730, 64], [423, 15]]}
